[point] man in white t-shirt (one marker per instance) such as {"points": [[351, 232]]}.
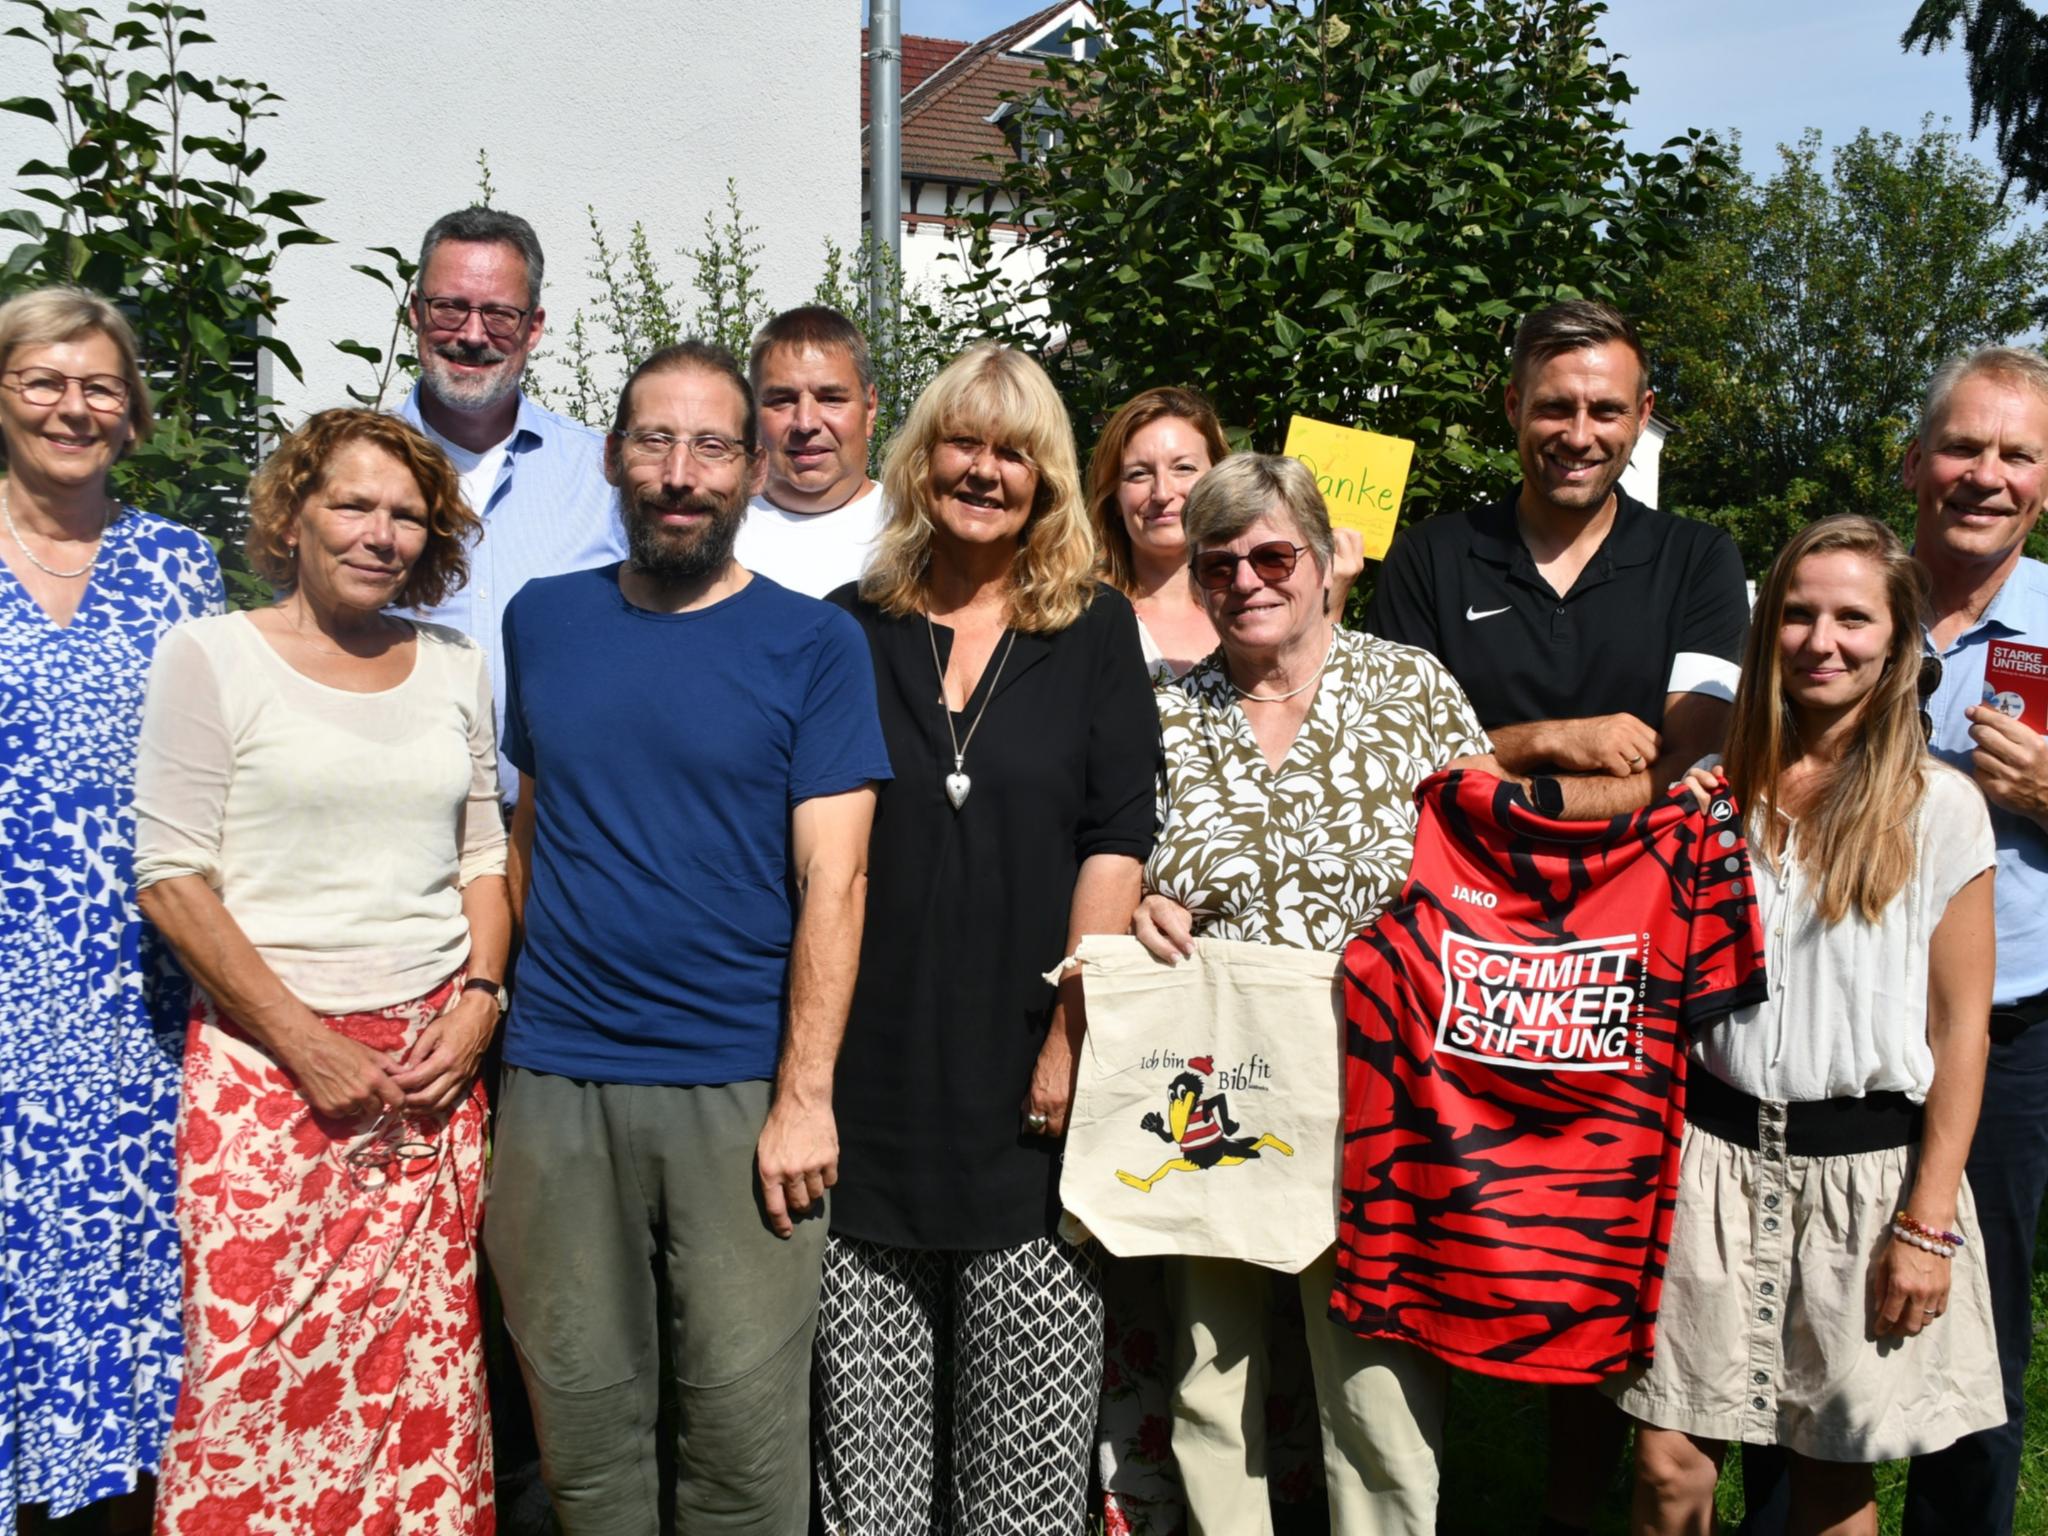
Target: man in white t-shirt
{"points": [[814, 524]]}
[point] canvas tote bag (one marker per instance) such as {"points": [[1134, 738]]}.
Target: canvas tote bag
{"points": [[1209, 1105]]}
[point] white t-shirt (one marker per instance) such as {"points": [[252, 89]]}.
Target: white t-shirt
{"points": [[810, 552], [1847, 1014], [479, 470], [337, 828]]}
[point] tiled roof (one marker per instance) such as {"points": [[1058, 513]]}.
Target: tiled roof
{"points": [[922, 57], [945, 127]]}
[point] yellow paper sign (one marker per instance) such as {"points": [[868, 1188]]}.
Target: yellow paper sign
{"points": [[1361, 476]]}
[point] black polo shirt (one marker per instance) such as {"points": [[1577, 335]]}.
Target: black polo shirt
{"points": [[1660, 608]]}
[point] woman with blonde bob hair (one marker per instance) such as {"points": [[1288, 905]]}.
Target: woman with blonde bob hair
{"points": [[1824, 1290], [319, 840], [959, 1340], [91, 1010]]}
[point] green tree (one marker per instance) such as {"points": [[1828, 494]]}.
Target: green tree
{"points": [[2006, 43], [1790, 343], [153, 202], [641, 308], [1339, 210]]}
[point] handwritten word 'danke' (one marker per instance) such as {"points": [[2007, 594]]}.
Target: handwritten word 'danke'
{"points": [[1362, 476]]}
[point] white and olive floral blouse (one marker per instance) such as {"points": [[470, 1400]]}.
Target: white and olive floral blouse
{"points": [[1308, 854]]}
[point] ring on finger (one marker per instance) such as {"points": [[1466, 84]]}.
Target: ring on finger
{"points": [[1035, 1122]]}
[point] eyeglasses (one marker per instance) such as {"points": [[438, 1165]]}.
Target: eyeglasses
{"points": [[501, 321], [705, 447], [370, 1165], [1930, 680], [1216, 569], [103, 392]]}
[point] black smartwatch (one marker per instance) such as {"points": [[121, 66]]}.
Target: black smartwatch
{"points": [[1547, 795]]}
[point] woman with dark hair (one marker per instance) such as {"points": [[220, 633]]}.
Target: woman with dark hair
{"points": [[320, 840], [91, 1010], [1150, 454], [959, 1339], [1824, 1291]]}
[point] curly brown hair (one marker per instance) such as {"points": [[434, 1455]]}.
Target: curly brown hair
{"points": [[296, 468]]}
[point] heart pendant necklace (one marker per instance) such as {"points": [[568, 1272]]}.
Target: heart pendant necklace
{"points": [[957, 782]]}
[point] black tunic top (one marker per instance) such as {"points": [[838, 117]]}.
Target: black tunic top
{"points": [[968, 909]]}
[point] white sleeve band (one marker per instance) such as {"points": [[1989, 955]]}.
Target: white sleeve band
{"points": [[1697, 672]]}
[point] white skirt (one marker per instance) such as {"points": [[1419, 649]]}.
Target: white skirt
{"points": [[1765, 1331]]}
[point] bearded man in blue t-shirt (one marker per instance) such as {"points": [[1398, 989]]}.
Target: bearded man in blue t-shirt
{"points": [[698, 749]]}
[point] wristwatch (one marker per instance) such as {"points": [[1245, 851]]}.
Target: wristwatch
{"points": [[496, 989], [1547, 795]]}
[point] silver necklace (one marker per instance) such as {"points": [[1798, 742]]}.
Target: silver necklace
{"points": [[1281, 698], [7, 511], [957, 782]]}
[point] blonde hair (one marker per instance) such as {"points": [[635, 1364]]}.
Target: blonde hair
{"points": [[43, 317], [1856, 840], [1106, 464], [997, 394]]}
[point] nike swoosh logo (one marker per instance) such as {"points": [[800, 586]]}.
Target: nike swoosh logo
{"points": [[1487, 613]]}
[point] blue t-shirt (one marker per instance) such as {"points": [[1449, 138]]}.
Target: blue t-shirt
{"points": [[669, 750]]}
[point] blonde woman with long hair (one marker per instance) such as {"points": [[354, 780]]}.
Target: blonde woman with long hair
{"points": [[1825, 1292], [959, 1341]]}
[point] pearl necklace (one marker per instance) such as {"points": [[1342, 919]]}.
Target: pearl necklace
{"points": [[1281, 698], [7, 512]]}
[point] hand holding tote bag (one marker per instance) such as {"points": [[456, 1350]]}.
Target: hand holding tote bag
{"points": [[1208, 1107]]}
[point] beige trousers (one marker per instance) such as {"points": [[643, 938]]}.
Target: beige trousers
{"points": [[1381, 1406]]}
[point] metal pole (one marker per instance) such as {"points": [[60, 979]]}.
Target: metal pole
{"points": [[885, 167]]}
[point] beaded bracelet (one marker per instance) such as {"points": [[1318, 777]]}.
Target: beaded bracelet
{"points": [[1926, 1245], [1932, 1234]]}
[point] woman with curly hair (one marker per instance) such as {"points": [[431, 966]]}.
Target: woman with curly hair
{"points": [[320, 841], [959, 1340]]}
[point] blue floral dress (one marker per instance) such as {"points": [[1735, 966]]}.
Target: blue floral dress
{"points": [[92, 1020]]}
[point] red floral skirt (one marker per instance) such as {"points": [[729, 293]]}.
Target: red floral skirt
{"points": [[334, 1369]]}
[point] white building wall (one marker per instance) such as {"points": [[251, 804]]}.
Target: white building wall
{"points": [[639, 108]]}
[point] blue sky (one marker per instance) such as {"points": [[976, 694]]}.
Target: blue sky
{"points": [[1768, 68]]}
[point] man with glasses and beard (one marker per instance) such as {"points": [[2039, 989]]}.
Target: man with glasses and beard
{"points": [[535, 478], [698, 749]]}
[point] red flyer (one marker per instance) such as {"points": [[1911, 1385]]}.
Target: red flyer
{"points": [[2016, 682]]}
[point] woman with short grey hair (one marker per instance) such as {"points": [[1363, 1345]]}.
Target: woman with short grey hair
{"points": [[1288, 818]]}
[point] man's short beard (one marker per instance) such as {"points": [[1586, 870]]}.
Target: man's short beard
{"points": [[474, 393], [676, 557]]}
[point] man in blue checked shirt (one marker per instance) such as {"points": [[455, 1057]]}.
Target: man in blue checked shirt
{"points": [[536, 478]]}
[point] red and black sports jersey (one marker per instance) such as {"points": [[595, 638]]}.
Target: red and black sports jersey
{"points": [[1515, 1074]]}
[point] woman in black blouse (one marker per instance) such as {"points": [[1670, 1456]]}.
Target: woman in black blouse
{"points": [[959, 1341]]}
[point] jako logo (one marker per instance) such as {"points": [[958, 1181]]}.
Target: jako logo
{"points": [[1465, 893]]}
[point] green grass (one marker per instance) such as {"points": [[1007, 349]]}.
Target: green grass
{"points": [[1494, 1439]]}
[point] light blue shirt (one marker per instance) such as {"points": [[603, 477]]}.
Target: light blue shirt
{"points": [[2019, 612], [551, 512]]}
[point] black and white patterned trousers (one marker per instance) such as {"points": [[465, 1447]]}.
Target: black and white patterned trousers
{"points": [[954, 1393]]}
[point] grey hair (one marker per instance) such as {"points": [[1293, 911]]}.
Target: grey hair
{"points": [[489, 226], [2017, 365], [1242, 489], [1568, 326]]}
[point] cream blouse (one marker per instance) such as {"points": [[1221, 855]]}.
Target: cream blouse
{"points": [[338, 828], [1847, 1012]]}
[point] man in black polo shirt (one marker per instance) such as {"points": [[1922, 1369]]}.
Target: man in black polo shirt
{"points": [[1599, 641]]}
